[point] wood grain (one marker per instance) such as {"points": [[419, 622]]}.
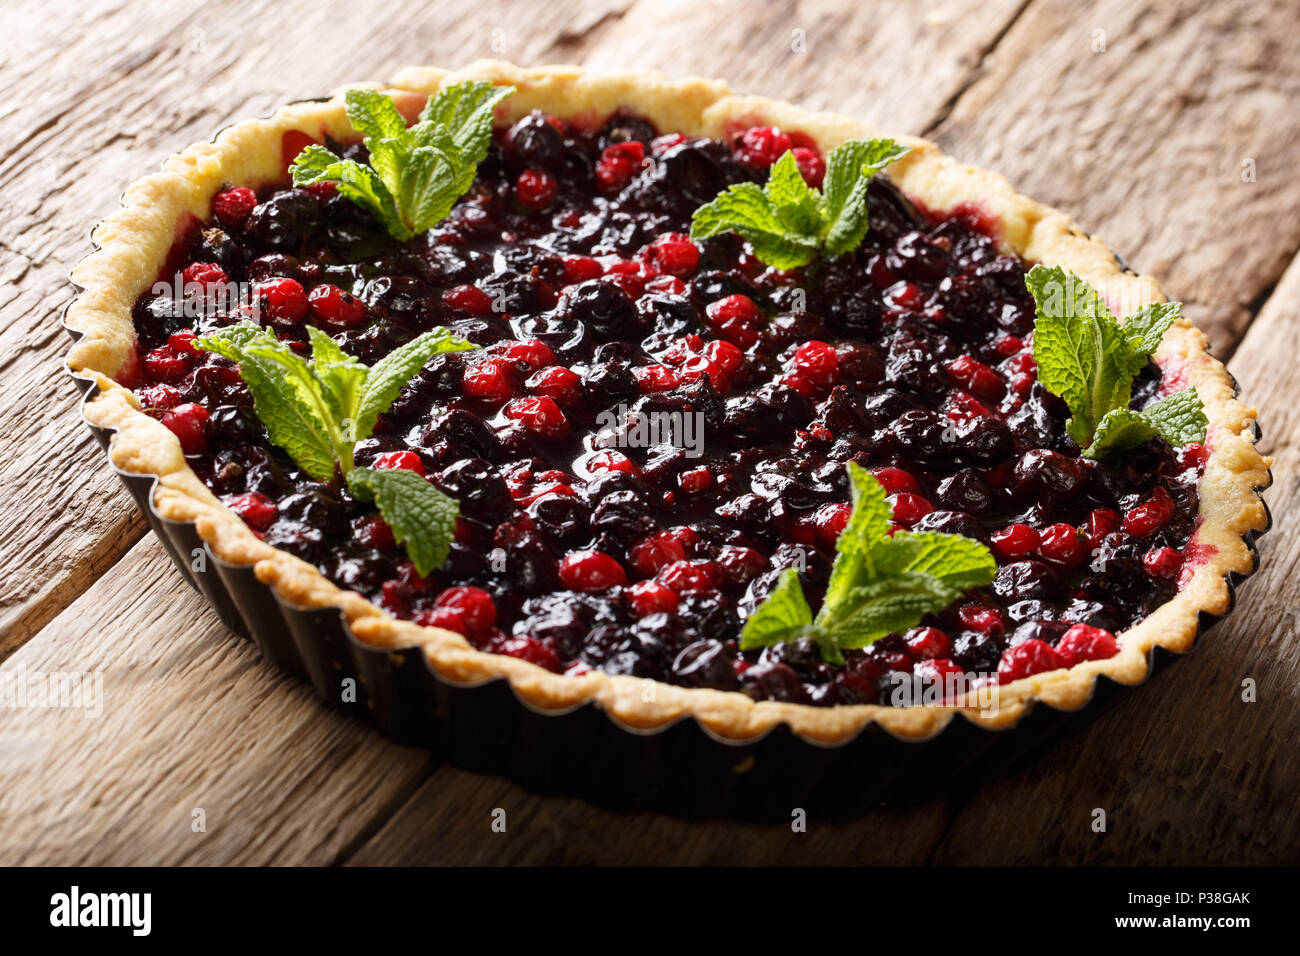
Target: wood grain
{"points": [[191, 719], [450, 818], [1144, 143]]}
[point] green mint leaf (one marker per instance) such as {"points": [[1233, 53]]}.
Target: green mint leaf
{"points": [[1081, 351], [849, 169], [795, 204], [745, 209], [286, 397], [423, 519], [433, 180], [361, 184], [790, 224], [868, 523], [1178, 418], [375, 116], [888, 605], [466, 111], [1120, 429], [1089, 359], [879, 584], [1144, 329], [783, 616], [415, 174], [392, 372], [341, 377], [959, 562]]}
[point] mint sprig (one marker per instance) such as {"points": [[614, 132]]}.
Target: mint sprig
{"points": [[416, 173], [1089, 358], [787, 222], [318, 409], [879, 584], [423, 519]]}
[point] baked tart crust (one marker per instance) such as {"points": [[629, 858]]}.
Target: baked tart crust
{"points": [[133, 244]]}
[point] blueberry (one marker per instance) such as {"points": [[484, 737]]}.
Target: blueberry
{"points": [[705, 664]]}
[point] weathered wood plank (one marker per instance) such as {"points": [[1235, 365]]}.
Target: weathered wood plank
{"points": [[893, 63], [1147, 143], [451, 817], [1186, 770], [83, 114], [192, 719]]}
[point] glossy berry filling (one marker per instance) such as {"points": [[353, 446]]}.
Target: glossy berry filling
{"points": [[590, 539]]}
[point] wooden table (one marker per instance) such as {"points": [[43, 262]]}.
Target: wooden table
{"points": [[1168, 127]]}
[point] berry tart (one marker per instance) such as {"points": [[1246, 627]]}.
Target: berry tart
{"points": [[633, 392]]}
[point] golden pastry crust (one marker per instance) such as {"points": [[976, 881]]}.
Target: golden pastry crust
{"points": [[134, 242]]}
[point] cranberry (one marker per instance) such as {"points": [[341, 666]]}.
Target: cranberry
{"points": [[981, 618], [1082, 642], [926, 643], [474, 605], [737, 319], [204, 274], [1014, 542], [830, 521], [1151, 515], [811, 165], [591, 571], [232, 206], [607, 460], [936, 671], [536, 189], [189, 423], [374, 532], [334, 309], [1028, 658], [896, 481], [656, 378], [530, 352], [258, 511], [159, 396], [166, 364], [688, 576], [762, 145], [818, 362], [909, 508], [541, 416], [489, 380], [976, 377], [1062, 544], [404, 460], [619, 162], [447, 618], [562, 385], [468, 299], [648, 556], [1101, 522], [531, 650], [580, 269], [1163, 563], [283, 300], [697, 479], [651, 597], [673, 253]]}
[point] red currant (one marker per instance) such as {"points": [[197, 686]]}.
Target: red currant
{"points": [[232, 206], [591, 571], [403, 460], [536, 189], [334, 309]]}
